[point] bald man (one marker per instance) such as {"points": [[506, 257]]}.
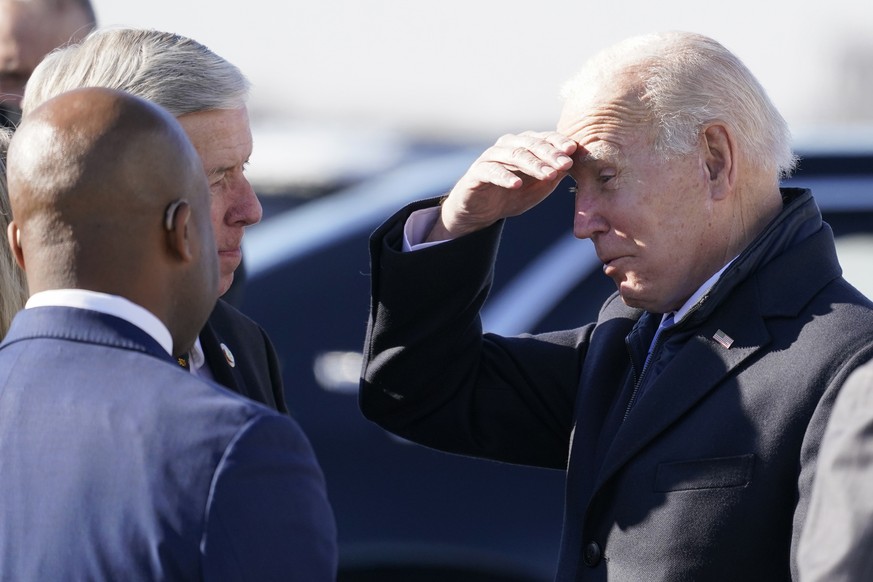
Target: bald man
{"points": [[29, 30], [117, 463]]}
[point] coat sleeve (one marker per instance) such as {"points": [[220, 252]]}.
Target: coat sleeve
{"points": [[432, 376], [268, 516], [838, 533]]}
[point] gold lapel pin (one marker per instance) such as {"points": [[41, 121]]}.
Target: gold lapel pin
{"points": [[228, 355]]}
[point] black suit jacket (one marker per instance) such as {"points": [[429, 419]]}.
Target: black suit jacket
{"points": [[708, 475], [242, 357]]}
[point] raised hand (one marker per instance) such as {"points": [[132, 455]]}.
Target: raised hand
{"points": [[509, 178]]}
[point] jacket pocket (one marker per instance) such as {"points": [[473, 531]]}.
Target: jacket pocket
{"points": [[715, 473]]}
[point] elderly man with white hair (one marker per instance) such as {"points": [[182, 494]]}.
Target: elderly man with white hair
{"points": [[688, 417]]}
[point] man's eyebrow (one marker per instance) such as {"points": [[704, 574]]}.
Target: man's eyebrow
{"points": [[223, 169], [218, 170], [597, 153]]}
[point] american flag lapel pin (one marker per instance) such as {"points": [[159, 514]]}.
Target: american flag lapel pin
{"points": [[724, 339]]}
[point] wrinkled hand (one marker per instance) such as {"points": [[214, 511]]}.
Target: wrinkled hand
{"points": [[512, 176]]}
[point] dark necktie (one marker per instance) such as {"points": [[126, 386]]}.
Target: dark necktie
{"points": [[654, 364], [183, 361]]}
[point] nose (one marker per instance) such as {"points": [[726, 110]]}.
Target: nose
{"points": [[588, 219], [245, 208]]}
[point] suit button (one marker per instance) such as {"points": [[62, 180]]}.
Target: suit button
{"points": [[592, 554]]}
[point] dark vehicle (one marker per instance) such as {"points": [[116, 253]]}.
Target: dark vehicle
{"points": [[405, 512]]}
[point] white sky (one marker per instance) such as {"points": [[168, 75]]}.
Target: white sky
{"points": [[490, 66], [475, 69]]}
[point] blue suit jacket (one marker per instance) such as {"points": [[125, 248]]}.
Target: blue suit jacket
{"points": [[116, 464]]}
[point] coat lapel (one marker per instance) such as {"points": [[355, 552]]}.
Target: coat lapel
{"points": [[218, 360], [713, 352]]}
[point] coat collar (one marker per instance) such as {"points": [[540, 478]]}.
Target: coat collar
{"points": [[730, 324], [220, 359], [799, 220], [83, 325]]}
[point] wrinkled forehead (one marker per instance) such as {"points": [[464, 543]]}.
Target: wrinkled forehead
{"points": [[608, 133], [611, 101]]}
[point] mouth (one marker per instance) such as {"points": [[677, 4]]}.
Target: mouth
{"points": [[230, 258], [231, 249], [612, 264]]}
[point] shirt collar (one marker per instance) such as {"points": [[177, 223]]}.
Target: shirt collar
{"points": [[198, 358], [680, 313], [110, 305]]}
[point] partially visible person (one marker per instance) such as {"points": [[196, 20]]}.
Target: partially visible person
{"points": [[29, 30], [208, 95], [13, 289], [118, 464], [837, 540], [688, 417]]}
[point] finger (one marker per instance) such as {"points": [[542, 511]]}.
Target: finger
{"points": [[523, 161], [557, 139], [562, 143], [530, 150], [495, 174]]}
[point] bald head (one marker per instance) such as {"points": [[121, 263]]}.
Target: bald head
{"points": [[109, 195]]}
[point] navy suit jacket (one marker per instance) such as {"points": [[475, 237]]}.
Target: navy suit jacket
{"points": [[117, 464]]}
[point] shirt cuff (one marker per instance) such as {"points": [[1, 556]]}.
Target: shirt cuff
{"points": [[417, 227]]}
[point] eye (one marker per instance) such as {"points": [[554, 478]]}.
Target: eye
{"points": [[606, 175], [215, 178]]}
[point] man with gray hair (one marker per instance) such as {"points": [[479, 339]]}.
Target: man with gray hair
{"points": [[688, 416], [208, 95]]}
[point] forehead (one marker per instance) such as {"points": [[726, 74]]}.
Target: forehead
{"points": [[606, 121], [222, 137]]}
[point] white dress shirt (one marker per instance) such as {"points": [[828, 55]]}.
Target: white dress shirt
{"points": [[197, 361]]}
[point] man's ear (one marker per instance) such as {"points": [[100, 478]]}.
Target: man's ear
{"points": [[719, 157], [176, 224], [13, 236]]}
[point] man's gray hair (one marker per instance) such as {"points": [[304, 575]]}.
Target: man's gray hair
{"points": [[685, 81], [175, 72]]}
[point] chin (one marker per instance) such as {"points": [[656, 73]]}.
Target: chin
{"points": [[632, 302], [224, 284], [633, 298]]}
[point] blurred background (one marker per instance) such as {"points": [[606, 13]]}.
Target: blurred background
{"points": [[343, 86]]}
